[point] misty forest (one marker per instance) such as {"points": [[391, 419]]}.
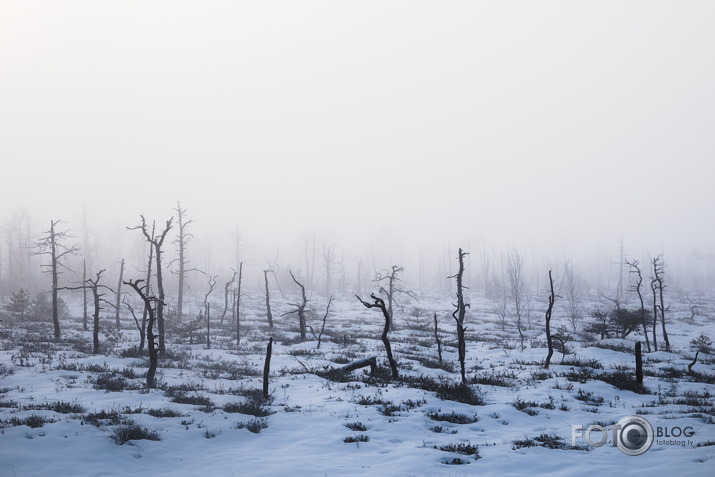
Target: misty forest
{"points": [[323, 238]]}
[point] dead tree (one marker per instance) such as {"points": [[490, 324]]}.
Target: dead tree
{"points": [[269, 315], [299, 307], [267, 367], [226, 290], [119, 293], [549, 342], [325, 318], [654, 288], [518, 298], [207, 309], [94, 287], [157, 243], [639, 363], [439, 342], [636, 287], [275, 268], [181, 242], [391, 277], [380, 304], [51, 244], [142, 291], [329, 259], [658, 272], [238, 305], [459, 314]]}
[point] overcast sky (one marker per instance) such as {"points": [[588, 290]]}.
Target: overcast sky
{"points": [[569, 123]]}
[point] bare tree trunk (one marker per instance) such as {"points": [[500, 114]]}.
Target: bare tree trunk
{"points": [[659, 271], [325, 317], [226, 289], [637, 288], [549, 342], [439, 342], [207, 309], [269, 315], [153, 351], [459, 315], [145, 315], [141, 326], [267, 367], [639, 363], [655, 315], [119, 293], [182, 242], [380, 304], [300, 307]]}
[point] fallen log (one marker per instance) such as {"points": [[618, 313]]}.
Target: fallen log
{"points": [[361, 363]]}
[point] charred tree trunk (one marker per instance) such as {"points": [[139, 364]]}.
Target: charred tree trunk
{"points": [[151, 342], [658, 271], [182, 241], [269, 315], [140, 326], [267, 367], [655, 315], [380, 304], [439, 342], [459, 315], [119, 294], [549, 341], [325, 318], [207, 310], [639, 363]]}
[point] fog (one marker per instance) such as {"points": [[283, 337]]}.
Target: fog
{"points": [[387, 129]]}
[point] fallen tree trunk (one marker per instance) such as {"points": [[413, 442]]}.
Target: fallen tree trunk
{"points": [[361, 363]]}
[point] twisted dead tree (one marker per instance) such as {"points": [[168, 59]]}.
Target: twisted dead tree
{"points": [[658, 282], [549, 341], [226, 290], [380, 304], [636, 287], [459, 314], [156, 243], [299, 307], [148, 300], [141, 326], [325, 318]]}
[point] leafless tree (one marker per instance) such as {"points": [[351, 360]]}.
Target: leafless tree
{"points": [[300, 307], [329, 261], [439, 341], [226, 291], [157, 243], [659, 284], [141, 326], [148, 300], [459, 314], [573, 295], [379, 303], [94, 286], [391, 289], [549, 342], [52, 245], [182, 241], [119, 293], [275, 268], [207, 309], [325, 318], [269, 315], [518, 293], [636, 287], [85, 315]]}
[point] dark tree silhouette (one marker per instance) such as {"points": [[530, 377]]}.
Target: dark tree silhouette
{"points": [[379, 303]]}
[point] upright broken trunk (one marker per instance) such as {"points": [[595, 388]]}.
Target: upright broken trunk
{"points": [[207, 310], [300, 307], [639, 363], [85, 316], [269, 315], [238, 304], [380, 304], [267, 367], [459, 315], [439, 342], [119, 294], [549, 341], [637, 288]]}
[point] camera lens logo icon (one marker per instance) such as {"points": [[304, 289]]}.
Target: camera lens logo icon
{"points": [[635, 435]]}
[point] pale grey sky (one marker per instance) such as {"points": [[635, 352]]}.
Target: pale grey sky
{"points": [[563, 123]]}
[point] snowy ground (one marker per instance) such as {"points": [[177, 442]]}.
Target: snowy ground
{"points": [[402, 427]]}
